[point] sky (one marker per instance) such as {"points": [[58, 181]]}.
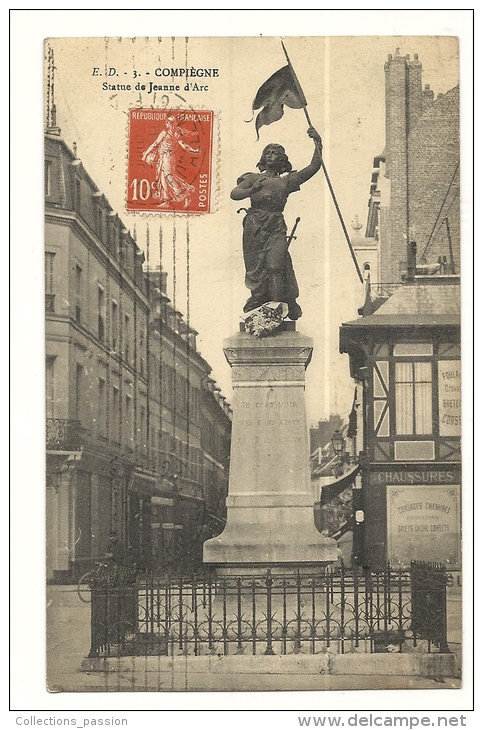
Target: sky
{"points": [[343, 81]]}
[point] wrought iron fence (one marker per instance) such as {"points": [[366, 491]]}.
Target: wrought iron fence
{"points": [[428, 599], [114, 608], [333, 611]]}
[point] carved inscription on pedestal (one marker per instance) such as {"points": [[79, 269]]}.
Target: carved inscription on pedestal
{"points": [[271, 373], [270, 422], [269, 440]]}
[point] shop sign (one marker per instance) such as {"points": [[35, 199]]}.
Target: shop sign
{"points": [[449, 397], [423, 524], [415, 476]]}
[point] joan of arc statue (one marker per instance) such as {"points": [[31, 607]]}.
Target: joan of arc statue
{"points": [[269, 272]]}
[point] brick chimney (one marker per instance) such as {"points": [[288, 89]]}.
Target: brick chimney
{"points": [[428, 96], [404, 106], [414, 91]]}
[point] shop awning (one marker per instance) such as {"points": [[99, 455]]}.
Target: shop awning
{"points": [[164, 488], [330, 491], [142, 484]]}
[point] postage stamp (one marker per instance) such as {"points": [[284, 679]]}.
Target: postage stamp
{"points": [[170, 161]]}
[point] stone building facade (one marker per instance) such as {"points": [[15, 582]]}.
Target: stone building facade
{"points": [[127, 393]]}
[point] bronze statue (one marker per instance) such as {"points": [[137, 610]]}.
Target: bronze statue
{"points": [[268, 265]]}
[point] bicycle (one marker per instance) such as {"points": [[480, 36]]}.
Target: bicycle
{"points": [[85, 581]]}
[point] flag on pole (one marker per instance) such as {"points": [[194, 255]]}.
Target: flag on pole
{"points": [[280, 89]]}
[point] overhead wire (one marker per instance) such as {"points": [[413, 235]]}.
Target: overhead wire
{"points": [[439, 218]]}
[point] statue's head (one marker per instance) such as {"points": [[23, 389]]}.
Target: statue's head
{"points": [[282, 165]]}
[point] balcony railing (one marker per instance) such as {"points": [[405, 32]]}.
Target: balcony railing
{"points": [[62, 434]]}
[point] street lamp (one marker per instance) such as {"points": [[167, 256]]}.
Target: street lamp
{"points": [[56, 476], [338, 444]]}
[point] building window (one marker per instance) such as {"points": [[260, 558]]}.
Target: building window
{"points": [[115, 327], [128, 420], [48, 178], [142, 429], [77, 194], [97, 215], [101, 408], [49, 387], [115, 413], [414, 413], [114, 507], [181, 385], [100, 313], [114, 238], [112, 233], [142, 353], [127, 336], [79, 373], [49, 281], [78, 293]]}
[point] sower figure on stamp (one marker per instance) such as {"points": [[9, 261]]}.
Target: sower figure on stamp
{"points": [[162, 155], [268, 265]]}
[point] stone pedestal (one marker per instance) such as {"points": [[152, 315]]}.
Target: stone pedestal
{"points": [[270, 507]]}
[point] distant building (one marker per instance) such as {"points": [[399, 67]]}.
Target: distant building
{"points": [[405, 348], [414, 191], [128, 395], [321, 434]]}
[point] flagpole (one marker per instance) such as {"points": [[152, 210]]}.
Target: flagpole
{"points": [[361, 278], [304, 107]]}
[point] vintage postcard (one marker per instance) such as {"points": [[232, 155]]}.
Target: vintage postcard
{"points": [[253, 363]]}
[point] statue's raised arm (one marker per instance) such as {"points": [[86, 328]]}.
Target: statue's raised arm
{"points": [[316, 161], [268, 265]]}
